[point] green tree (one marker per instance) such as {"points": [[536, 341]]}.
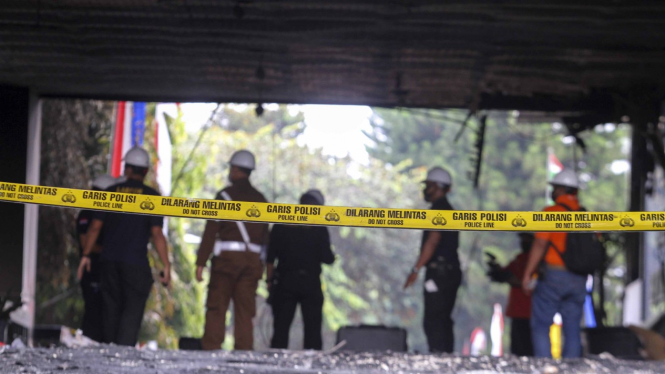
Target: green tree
{"points": [[75, 140]]}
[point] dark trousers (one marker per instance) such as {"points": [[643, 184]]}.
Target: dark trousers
{"points": [[284, 303], [125, 290], [93, 303], [520, 337], [439, 304]]}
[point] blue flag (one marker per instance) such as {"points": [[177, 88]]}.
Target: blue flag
{"points": [[138, 124]]}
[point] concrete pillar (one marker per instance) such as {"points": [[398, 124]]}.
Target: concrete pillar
{"points": [[634, 241], [644, 113]]}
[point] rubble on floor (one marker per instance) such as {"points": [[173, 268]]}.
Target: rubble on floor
{"points": [[114, 359]]}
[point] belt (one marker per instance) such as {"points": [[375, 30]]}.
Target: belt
{"points": [[440, 265], [228, 246]]}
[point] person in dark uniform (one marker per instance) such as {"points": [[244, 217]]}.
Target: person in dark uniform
{"points": [[299, 251], [519, 302], [92, 295], [126, 279], [443, 276]]}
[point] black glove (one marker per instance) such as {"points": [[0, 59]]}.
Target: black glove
{"points": [[498, 274]]}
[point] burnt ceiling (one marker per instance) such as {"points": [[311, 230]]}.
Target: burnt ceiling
{"points": [[580, 57]]}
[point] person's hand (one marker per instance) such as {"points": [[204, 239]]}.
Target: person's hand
{"points": [[199, 273], [527, 284], [84, 266], [165, 277], [410, 280]]}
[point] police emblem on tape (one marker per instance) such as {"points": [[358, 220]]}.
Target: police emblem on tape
{"points": [[519, 222], [147, 205], [627, 222], [69, 198], [332, 216], [253, 212], [439, 220]]}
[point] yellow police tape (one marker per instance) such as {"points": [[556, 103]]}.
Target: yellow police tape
{"points": [[332, 215]]}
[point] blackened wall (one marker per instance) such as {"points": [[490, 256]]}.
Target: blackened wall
{"points": [[14, 103]]}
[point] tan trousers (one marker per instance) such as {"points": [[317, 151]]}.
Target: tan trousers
{"points": [[234, 276]]}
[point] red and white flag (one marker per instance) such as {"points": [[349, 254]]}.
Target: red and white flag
{"points": [[554, 167]]}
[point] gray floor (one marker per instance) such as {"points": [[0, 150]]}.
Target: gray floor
{"points": [[112, 359]]}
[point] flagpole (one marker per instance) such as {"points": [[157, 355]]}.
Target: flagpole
{"points": [[118, 139]]}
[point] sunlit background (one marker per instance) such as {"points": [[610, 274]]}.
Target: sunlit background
{"points": [[358, 156]]}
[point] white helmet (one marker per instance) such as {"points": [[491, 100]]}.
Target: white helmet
{"points": [[103, 182], [244, 159], [439, 175], [317, 195], [566, 178], [137, 156]]}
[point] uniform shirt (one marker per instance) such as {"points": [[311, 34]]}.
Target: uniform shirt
{"points": [[300, 249], [126, 236], [83, 221], [447, 247], [228, 230], [519, 303], [558, 238]]}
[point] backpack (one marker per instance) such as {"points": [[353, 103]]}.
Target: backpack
{"points": [[584, 254]]}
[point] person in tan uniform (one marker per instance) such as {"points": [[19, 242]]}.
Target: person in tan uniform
{"points": [[236, 265]]}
